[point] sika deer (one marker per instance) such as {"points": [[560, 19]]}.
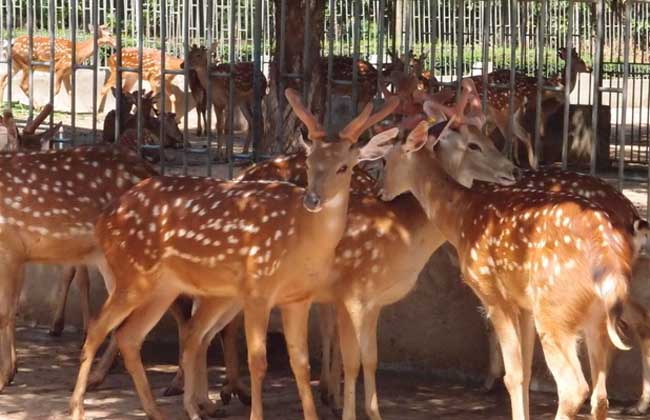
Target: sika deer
{"points": [[251, 266], [62, 57], [552, 262], [220, 86], [51, 200], [398, 235]]}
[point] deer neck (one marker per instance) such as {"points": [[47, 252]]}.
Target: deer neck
{"points": [[573, 77], [84, 50], [202, 74], [439, 194], [326, 227]]}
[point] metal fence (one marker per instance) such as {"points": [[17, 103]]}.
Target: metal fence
{"points": [[460, 37]]}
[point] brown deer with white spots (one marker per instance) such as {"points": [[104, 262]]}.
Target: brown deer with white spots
{"points": [[49, 202], [151, 72], [220, 86], [377, 262], [260, 244], [62, 57], [550, 262]]}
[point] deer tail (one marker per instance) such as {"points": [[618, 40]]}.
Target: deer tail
{"points": [[613, 290]]}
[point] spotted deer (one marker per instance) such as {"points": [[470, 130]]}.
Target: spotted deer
{"points": [[151, 72], [220, 86], [62, 57], [383, 249], [261, 244], [50, 203], [550, 262]]}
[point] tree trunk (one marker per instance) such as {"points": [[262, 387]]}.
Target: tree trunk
{"points": [[282, 126]]}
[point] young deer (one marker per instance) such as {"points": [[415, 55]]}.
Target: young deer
{"points": [[360, 285], [552, 262], [151, 72], [62, 57], [51, 201], [220, 86], [260, 244]]}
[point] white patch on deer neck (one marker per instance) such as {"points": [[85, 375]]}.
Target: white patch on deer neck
{"points": [[335, 201]]}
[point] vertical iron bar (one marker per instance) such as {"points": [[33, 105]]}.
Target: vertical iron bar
{"points": [[380, 46], [95, 22], [541, 82], [597, 70], [118, 76], [208, 91], [163, 95], [186, 77], [281, 71], [407, 15], [10, 26], [30, 31], [485, 52], [567, 88], [306, 68], [513, 58], [330, 62], [231, 88], [257, 71], [433, 13], [52, 33], [73, 74], [139, 116], [626, 74], [460, 69], [355, 55]]}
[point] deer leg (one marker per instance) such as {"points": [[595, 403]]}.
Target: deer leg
{"points": [[349, 344], [212, 314], [56, 328], [522, 134], [369, 362], [295, 317], [560, 351], [495, 369], [117, 307], [82, 280], [234, 384], [130, 336], [181, 311], [527, 329], [506, 326], [110, 82], [248, 115], [99, 373], [598, 346], [641, 407], [256, 319], [326, 322], [11, 279], [335, 372]]}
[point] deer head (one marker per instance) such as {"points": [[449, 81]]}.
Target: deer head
{"points": [[330, 158], [104, 35], [577, 63], [197, 57]]}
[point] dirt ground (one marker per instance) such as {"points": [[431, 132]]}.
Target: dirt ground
{"points": [[48, 367]]}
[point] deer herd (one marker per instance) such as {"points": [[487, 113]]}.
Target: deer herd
{"points": [[548, 252]]}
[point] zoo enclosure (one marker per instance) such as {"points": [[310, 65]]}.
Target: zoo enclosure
{"points": [[460, 37]]}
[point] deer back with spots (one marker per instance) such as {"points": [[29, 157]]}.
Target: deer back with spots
{"points": [[49, 199], [558, 256]]}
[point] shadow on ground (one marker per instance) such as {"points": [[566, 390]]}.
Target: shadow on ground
{"points": [[48, 368]]}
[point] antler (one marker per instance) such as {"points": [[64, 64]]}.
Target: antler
{"points": [[314, 128], [366, 119]]}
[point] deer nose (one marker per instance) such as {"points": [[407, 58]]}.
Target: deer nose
{"points": [[312, 202]]}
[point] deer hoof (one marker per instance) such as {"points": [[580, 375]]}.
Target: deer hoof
{"points": [[172, 390], [225, 396], [244, 396], [210, 409]]}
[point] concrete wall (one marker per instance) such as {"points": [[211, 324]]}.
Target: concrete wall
{"points": [[437, 328]]}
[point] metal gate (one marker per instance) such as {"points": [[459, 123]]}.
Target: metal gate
{"points": [[459, 38]]}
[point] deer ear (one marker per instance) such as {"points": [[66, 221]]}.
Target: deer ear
{"points": [[302, 143], [417, 138], [379, 145]]}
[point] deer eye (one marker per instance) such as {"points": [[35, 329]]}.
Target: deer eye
{"points": [[475, 147], [342, 169]]}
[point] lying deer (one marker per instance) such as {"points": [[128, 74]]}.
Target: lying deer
{"points": [[252, 240], [62, 57], [552, 262]]}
